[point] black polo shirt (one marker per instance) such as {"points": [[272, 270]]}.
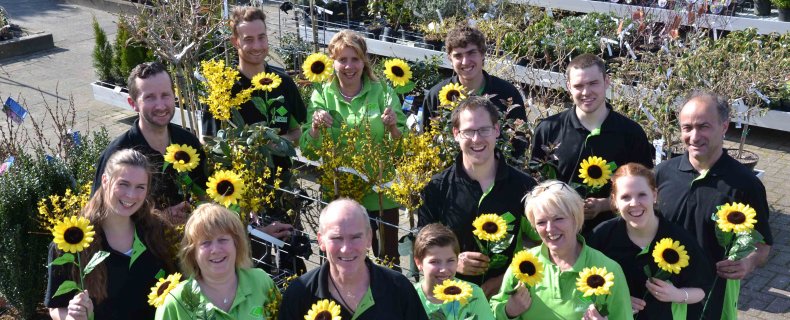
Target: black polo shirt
{"points": [[279, 114], [453, 199], [689, 200], [620, 140], [493, 86], [128, 284], [164, 190], [393, 295], [611, 238]]}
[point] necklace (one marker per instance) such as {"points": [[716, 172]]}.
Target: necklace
{"points": [[351, 97], [340, 294]]}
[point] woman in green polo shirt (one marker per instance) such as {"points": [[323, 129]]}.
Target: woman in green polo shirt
{"points": [[436, 252], [355, 96], [215, 254], [556, 211]]}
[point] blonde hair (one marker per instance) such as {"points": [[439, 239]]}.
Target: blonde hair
{"points": [[556, 198], [353, 40], [208, 221]]}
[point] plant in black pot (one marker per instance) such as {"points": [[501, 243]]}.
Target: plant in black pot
{"points": [[784, 9], [762, 7]]}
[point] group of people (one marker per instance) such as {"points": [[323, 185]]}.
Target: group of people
{"points": [[135, 202]]}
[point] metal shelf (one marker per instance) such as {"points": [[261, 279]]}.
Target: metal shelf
{"points": [[713, 21]]}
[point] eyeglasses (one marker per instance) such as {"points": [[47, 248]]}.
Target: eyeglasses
{"points": [[483, 132], [540, 189]]}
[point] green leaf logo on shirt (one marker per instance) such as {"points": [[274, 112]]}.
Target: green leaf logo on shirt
{"points": [[257, 312], [282, 111]]}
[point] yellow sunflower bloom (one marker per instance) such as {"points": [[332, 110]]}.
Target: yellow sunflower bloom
{"points": [[670, 255], [398, 71], [453, 290], [159, 292], [73, 234], [266, 81], [225, 187], [595, 172], [324, 310], [451, 94], [183, 157], [736, 217], [317, 67], [527, 268], [489, 227], [595, 281]]}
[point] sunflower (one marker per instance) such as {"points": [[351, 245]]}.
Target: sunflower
{"points": [[266, 81], [736, 217], [451, 94], [595, 172], [225, 187], [453, 290], [73, 234], [324, 310], [527, 268], [595, 281], [490, 227], [183, 157], [398, 71], [670, 255], [317, 67], [159, 292]]}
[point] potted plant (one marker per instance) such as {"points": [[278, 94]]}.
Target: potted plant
{"points": [[784, 9], [762, 7]]}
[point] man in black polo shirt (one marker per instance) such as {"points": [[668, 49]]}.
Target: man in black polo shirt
{"points": [[590, 128], [151, 95], [691, 186], [479, 182], [466, 50], [248, 26]]}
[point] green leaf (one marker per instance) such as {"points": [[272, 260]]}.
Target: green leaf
{"points": [[503, 244], [261, 105], [437, 315], [482, 248], [744, 245], [337, 118], [612, 166], [409, 86], [497, 261], [648, 272], [64, 259], [509, 218], [236, 118], [724, 238], [96, 259], [185, 179], [66, 287], [279, 99], [165, 166]]}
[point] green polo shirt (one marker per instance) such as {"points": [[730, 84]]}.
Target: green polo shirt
{"points": [[556, 296], [479, 306], [252, 295], [368, 105]]}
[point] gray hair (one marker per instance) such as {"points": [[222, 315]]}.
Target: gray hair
{"points": [[718, 101], [344, 204]]}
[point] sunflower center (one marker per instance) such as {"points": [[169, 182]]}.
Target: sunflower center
{"points": [[452, 290], [736, 217], [595, 281], [527, 268], [453, 95], [73, 235], [225, 187], [490, 227], [266, 81], [397, 71], [670, 256], [323, 315], [162, 288], [181, 156], [317, 67], [594, 172]]}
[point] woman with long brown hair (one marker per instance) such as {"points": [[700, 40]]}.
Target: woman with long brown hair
{"points": [[126, 226]]}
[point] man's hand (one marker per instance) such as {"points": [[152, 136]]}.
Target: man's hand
{"points": [[278, 230], [594, 206], [491, 286], [519, 302], [177, 214], [472, 263], [637, 304], [739, 269]]}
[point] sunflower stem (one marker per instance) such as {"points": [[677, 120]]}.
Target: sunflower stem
{"points": [[82, 272]]}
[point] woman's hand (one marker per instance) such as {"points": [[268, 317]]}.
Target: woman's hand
{"points": [[321, 119], [664, 291], [80, 306], [519, 302], [390, 121], [637, 304], [593, 314]]}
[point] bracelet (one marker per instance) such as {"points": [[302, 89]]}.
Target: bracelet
{"points": [[687, 296]]}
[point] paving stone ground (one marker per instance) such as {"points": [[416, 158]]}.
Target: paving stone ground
{"points": [[66, 71]]}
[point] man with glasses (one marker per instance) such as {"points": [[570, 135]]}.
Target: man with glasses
{"points": [[590, 128], [479, 182], [466, 50]]}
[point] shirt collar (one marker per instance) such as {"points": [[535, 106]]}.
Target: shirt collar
{"points": [[581, 261], [502, 172], [486, 81], [577, 124], [718, 168], [322, 290]]}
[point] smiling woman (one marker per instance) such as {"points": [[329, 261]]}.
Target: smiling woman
{"points": [[127, 227]]}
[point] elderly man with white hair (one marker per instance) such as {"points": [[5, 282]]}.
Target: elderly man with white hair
{"points": [[362, 289]]}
